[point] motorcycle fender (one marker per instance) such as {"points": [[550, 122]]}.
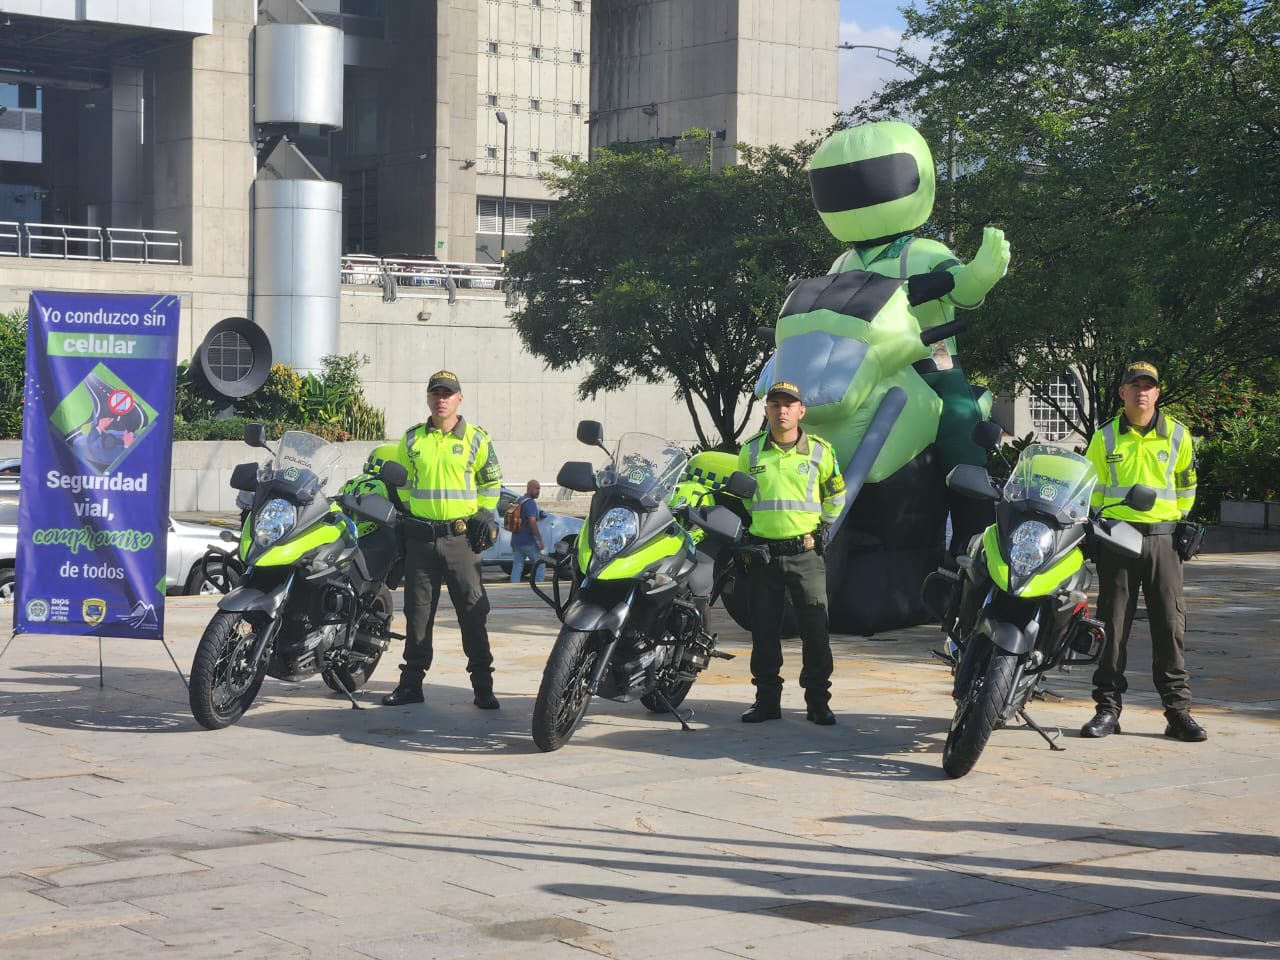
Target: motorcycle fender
{"points": [[590, 617], [1009, 637], [251, 600]]}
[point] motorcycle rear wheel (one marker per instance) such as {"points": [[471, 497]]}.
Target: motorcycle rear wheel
{"points": [[563, 696], [356, 675], [222, 686], [978, 712]]}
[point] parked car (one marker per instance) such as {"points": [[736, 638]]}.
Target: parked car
{"points": [[555, 528], [186, 546], [10, 466]]}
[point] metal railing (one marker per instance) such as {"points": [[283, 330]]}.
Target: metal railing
{"points": [[66, 241], [63, 241], [10, 238], [148, 246], [365, 269]]}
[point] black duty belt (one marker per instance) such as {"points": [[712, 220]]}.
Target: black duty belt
{"points": [[417, 528], [1154, 529], [792, 547]]}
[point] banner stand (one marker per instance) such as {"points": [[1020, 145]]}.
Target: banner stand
{"points": [[101, 678]]}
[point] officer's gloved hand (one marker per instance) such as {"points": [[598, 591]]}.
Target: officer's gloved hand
{"points": [[482, 530]]}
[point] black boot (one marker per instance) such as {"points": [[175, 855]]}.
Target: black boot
{"points": [[820, 713], [484, 698], [404, 693], [1182, 727], [1104, 723], [763, 709]]}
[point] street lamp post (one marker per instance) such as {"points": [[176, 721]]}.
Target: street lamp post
{"points": [[502, 246]]}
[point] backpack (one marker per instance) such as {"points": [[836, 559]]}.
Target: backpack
{"points": [[513, 519]]}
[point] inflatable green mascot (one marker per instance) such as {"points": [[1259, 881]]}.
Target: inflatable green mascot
{"points": [[871, 346]]}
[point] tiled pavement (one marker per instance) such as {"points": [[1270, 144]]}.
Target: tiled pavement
{"points": [[311, 830]]}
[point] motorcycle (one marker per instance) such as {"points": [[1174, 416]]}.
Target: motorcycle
{"points": [[1017, 605], [313, 597], [631, 628]]}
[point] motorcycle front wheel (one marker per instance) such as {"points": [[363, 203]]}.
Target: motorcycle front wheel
{"points": [[563, 696], [222, 684], [978, 710]]}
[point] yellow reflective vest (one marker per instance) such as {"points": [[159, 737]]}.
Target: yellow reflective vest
{"points": [[797, 489], [451, 474], [1163, 458]]}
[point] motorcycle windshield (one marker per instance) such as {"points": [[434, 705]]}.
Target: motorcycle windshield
{"points": [[306, 451], [1054, 481], [645, 467]]}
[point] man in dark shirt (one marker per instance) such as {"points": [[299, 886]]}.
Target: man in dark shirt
{"points": [[526, 543]]}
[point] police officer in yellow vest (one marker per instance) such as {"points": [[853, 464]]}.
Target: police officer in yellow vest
{"points": [[1144, 445], [454, 482], [799, 493]]}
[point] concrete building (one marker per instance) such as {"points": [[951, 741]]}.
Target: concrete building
{"points": [[333, 169]]}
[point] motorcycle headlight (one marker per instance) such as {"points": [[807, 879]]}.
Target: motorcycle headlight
{"points": [[273, 521], [616, 529], [1029, 547]]}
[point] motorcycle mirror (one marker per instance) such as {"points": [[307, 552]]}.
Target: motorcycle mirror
{"points": [[741, 485], [245, 475], [971, 481], [577, 475], [393, 474], [987, 435], [1140, 497], [255, 435], [591, 432]]}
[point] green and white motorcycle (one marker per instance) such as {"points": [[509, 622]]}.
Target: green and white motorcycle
{"points": [[1017, 605], [631, 626], [313, 598]]}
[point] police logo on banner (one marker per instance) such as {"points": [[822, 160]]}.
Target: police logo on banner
{"points": [[97, 442]]}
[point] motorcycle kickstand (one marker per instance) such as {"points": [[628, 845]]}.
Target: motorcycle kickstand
{"points": [[662, 698], [1040, 730], [342, 688], [1044, 693]]}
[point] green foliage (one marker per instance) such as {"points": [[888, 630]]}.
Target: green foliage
{"points": [[331, 405], [13, 364], [1132, 153], [1237, 428], [657, 270]]}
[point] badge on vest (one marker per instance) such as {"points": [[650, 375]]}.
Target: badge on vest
{"points": [[457, 449], [803, 468], [1114, 457], [1163, 456]]}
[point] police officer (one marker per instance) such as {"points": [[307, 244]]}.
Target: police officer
{"points": [[453, 487], [1144, 445], [799, 493]]}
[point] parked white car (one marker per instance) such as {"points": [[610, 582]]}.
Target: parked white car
{"points": [[186, 546], [555, 528]]}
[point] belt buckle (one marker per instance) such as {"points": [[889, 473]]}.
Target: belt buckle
{"points": [[459, 526], [807, 541]]}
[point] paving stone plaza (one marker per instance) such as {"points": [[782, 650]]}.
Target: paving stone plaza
{"points": [[439, 831]]}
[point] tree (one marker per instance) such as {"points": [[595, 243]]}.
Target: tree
{"points": [[13, 365], [656, 270], [1131, 150]]}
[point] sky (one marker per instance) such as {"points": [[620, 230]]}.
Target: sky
{"points": [[867, 21]]}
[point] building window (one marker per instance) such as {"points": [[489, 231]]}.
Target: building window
{"points": [[535, 104], [493, 46], [491, 153], [577, 6], [575, 108], [533, 156], [576, 157], [491, 99], [535, 3], [535, 52], [577, 56], [520, 215], [1046, 421]]}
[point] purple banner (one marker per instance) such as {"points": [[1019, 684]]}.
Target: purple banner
{"points": [[97, 447]]}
